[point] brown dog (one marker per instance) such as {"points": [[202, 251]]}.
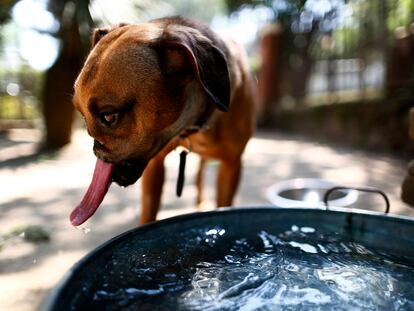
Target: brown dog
{"points": [[147, 88]]}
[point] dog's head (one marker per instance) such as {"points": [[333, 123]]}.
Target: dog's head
{"points": [[142, 85]]}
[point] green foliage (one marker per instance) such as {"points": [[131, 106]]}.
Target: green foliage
{"points": [[234, 5], [198, 8], [401, 13], [26, 105], [11, 109]]}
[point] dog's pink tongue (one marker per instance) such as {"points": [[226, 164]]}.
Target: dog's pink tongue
{"points": [[96, 192]]}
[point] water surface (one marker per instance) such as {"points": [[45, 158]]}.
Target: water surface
{"points": [[300, 268]]}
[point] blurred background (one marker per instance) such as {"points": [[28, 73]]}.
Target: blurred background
{"points": [[334, 87], [317, 61]]}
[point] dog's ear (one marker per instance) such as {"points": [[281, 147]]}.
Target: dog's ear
{"points": [[99, 33], [185, 49]]}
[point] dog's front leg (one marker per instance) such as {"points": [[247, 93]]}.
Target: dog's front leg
{"points": [[152, 182], [227, 181], [200, 182]]}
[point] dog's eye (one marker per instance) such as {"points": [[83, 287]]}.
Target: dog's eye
{"points": [[109, 119]]}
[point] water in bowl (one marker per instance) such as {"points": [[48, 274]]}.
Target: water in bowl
{"points": [[297, 269], [328, 275]]}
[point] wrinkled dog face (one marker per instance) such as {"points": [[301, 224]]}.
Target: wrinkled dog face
{"points": [[120, 93], [135, 94]]}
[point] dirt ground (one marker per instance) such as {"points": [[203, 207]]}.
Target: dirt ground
{"points": [[42, 190]]}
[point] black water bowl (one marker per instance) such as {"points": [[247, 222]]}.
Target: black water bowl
{"points": [[249, 259]]}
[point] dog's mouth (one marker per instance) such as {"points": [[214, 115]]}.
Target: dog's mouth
{"points": [[128, 172], [124, 174]]}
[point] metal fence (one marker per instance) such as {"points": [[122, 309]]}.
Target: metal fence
{"points": [[338, 75]]}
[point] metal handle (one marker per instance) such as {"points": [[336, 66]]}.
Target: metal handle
{"points": [[362, 189]]}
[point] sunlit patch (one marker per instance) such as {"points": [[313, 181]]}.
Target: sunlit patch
{"points": [[38, 49]]}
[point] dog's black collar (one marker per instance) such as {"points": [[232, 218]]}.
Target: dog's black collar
{"points": [[183, 156], [200, 124]]}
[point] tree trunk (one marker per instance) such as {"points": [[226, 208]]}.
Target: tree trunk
{"points": [[400, 67], [300, 69], [58, 110], [269, 88]]}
